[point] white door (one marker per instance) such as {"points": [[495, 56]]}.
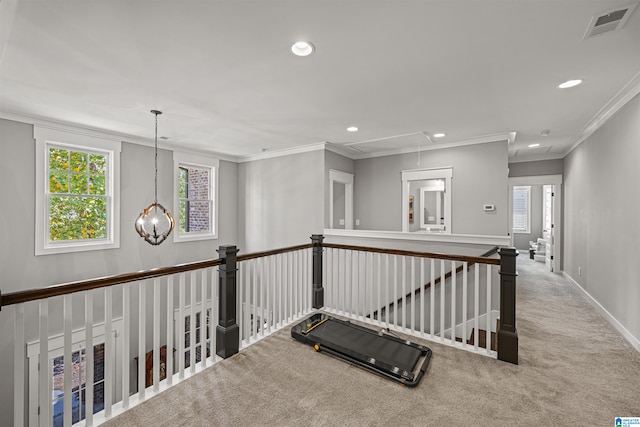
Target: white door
{"points": [[548, 229]]}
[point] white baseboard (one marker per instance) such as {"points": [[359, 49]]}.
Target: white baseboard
{"points": [[635, 342]]}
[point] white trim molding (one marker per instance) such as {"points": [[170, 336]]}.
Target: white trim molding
{"points": [[210, 164], [624, 95], [111, 147], [634, 341]]}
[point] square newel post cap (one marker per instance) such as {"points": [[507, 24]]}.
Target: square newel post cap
{"points": [[317, 239], [226, 251]]}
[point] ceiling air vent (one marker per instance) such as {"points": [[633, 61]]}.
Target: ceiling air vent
{"points": [[611, 20]]}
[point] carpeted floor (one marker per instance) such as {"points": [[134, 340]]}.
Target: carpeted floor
{"points": [[575, 369]]}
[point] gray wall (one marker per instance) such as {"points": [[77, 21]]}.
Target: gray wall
{"points": [[21, 269], [541, 167], [479, 177], [521, 240], [281, 201], [601, 206]]}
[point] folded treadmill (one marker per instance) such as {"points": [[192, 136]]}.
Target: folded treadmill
{"points": [[383, 354]]}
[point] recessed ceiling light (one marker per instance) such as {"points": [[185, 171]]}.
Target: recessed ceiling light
{"points": [[570, 83], [302, 48], [534, 145], [439, 135], [352, 129]]}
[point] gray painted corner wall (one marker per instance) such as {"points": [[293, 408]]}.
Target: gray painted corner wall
{"points": [[537, 168], [601, 206], [281, 201], [479, 177]]}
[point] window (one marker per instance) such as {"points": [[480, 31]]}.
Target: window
{"points": [[195, 207], [76, 198], [80, 367], [78, 387], [521, 209]]}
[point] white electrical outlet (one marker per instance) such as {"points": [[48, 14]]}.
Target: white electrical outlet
{"points": [[357, 222], [341, 221], [579, 271]]}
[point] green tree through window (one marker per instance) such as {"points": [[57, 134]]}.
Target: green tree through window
{"points": [[77, 196]]}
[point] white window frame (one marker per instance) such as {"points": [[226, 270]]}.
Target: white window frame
{"points": [[201, 161], [526, 230], [44, 137]]}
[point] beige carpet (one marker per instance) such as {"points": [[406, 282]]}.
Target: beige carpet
{"points": [[575, 369]]}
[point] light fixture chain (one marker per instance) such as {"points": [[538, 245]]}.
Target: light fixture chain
{"points": [[155, 200]]}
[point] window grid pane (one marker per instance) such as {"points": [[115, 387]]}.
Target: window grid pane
{"points": [[195, 203], [77, 200]]}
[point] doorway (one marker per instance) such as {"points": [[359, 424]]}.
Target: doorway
{"points": [[543, 213], [340, 200]]}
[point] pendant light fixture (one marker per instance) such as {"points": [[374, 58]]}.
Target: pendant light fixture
{"points": [[155, 223]]}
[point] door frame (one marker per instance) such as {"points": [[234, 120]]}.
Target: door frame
{"points": [[346, 179], [555, 180]]}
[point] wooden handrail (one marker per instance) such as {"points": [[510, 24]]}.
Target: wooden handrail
{"points": [[247, 257], [433, 255], [103, 282]]}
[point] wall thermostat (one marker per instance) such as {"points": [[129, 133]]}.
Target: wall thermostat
{"points": [[489, 208]]}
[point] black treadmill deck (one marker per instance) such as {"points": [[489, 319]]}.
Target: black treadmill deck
{"points": [[383, 354]]}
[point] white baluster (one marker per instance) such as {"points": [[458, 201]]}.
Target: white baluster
{"points": [[109, 352], [170, 331], [405, 292], [181, 325], [18, 365], [192, 324], [203, 318], [156, 334], [443, 291], [239, 301], [386, 291], [453, 302], [254, 281], [126, 333], [413, 294], [423, 291], [142, 338], [432, 293], [465, 336], [45, 366], [89, 357], [213, 286], [68, 362], [476, 306], [378, 281], [395, 291], [489, 321]]}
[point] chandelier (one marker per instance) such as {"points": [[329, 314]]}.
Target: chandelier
{"points": [[155, 223]]}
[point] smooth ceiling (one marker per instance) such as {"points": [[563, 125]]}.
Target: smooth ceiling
{"points": [[223, 74]]}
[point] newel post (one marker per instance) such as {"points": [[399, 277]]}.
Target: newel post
{"points": [[507, 332], [318, 291], [227, 331]]}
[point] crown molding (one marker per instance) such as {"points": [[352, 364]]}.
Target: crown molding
{"points": [[282, 152], [109, 135], [619, 100]]}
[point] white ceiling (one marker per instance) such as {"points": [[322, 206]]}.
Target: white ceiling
{"points": [[223, 74]]}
